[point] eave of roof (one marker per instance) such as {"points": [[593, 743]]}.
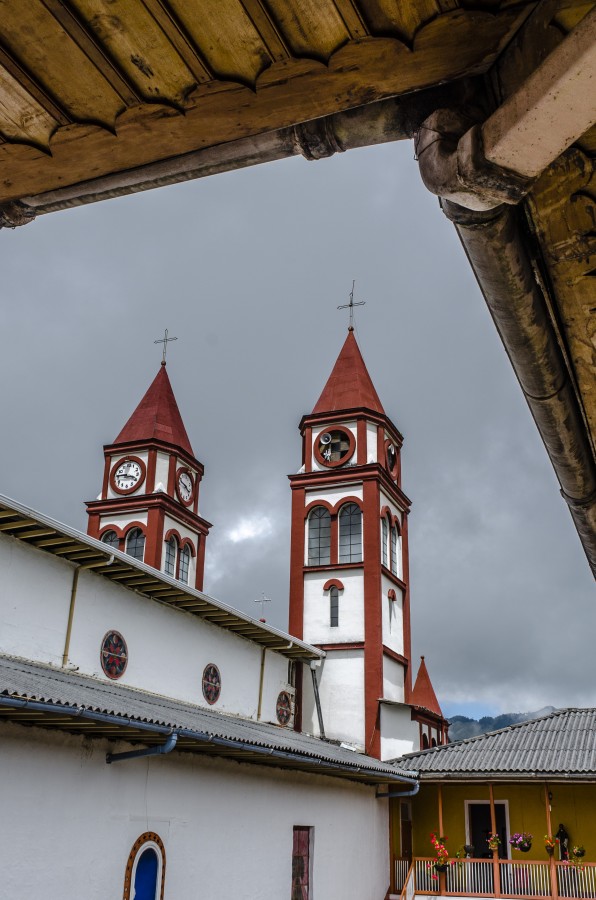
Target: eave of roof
{"points": [[41, 695], [44, 533]]}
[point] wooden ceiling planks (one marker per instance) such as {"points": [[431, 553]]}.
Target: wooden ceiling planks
{"points": [[109, 85]]}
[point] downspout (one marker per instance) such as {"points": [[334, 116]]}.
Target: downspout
{"points": [[390, 794], [73, 598], [160, 750], [261, 682], [315, 685]]}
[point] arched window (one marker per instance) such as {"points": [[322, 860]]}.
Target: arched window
{"points": [[135, 543], [350, 533], [111, 539], [171, 554], [146, 868], [433, 742], [184, 564], [384, 542], [319, 537], [395, 548], [333, 607], [425, 742]]}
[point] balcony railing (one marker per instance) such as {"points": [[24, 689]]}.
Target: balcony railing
{"points": [[524, 879]]}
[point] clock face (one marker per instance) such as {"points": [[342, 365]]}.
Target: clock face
{"points": [[185, 486], [334, 447], [128, 474]]}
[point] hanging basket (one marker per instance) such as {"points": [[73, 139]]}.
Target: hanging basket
{"points": [[550, 850], [525, 848], [441, 867]]}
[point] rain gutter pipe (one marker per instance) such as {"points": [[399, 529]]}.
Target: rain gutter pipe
{"points": [[199, 736], [391, 794], [315, 685], [160, 750], [73, 598], [261, 682]]}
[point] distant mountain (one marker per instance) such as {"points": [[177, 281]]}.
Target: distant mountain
{"points": [[461, 727]]}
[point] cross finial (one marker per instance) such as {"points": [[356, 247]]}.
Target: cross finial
{"points": [[351, 306], [165, 340]]}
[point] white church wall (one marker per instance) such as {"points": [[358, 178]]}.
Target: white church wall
{"points": [[317, 628], [399, 734], [348, 426], [168, 649], [392, 616], [394, 509], [341, 689], [393, 679], [332, 495], [371, 442], [140, 454], [123, 520], [226, 827], [34, 603], [162, 469]]}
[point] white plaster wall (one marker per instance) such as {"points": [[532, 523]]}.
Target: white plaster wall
{"points": [[399, 734], [317, 629], [70, 822], [142, 454], [162, 468], [34, 602], [348, 426], [122, 521], [392, 616], [393, 680], [168, 648], [386, 501], [371, 442], [333, 495], [341, 689]]}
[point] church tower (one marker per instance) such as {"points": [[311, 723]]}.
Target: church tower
{"points": [[349, 590], [149, 501]]}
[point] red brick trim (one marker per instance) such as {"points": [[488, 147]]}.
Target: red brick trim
{"points": [[387, 651], [296, 613], [353, 645], [340, 416], [314, 503], [144, 839], [307, 450], [151, 466], [391, 594], [361, 445], [373, 625], [333, 582], [406, 608]]}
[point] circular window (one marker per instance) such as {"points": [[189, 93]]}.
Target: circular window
{"points": [[391, 458], [211, 683], [114, 655], [334, 447], [283, 708]]}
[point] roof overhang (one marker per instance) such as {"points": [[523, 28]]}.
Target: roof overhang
{"points": [[47, 535]]}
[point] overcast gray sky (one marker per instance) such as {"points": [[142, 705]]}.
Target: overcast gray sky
{"points": [[247, 269]]}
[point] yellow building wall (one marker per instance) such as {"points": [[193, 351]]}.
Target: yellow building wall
{"points": [[573, 805]]}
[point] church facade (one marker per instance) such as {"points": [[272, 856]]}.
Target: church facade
{"points": [[160, 743]]}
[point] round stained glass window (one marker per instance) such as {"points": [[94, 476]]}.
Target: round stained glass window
{"points": [[283, 708], [211, 683], [114, 654]]}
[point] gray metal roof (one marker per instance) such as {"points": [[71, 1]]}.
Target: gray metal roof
{"points": [[42, 695], [561, 744], [30, 527]]}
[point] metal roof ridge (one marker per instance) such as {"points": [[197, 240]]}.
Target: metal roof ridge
{"points": [[75, 534]]}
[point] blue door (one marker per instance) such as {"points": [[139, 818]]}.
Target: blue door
{"points": [[146, 876]]}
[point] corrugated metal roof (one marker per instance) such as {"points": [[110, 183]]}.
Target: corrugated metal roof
{"points": [[53, 537], [82, 704], [562, 744]]}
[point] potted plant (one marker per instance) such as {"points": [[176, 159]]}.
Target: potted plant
{"points": [[550, 843], [578, 851], [521, 840], [493, 841], [441, 863]]}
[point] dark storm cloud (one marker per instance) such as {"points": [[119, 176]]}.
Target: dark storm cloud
{"points": [[247, 270]]}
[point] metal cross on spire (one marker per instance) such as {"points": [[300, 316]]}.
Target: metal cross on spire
{"points": [[165, 340], [351, 306]]}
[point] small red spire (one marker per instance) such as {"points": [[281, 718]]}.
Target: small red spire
{"points": [[349, 386], [157, 416], [423, 694]]}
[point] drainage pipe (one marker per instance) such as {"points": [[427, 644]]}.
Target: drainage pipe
{"points": [[261, 682], [390, 794], [73, 598], [160, 750], [315, 685]]}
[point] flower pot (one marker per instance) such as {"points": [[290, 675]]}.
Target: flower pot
{"points": [[550, 850], [579, 853], [441, 867], [525, 848]]}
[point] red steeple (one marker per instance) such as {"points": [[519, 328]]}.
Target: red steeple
{"points": [[423, 694], [349, 386], [157, 416]]}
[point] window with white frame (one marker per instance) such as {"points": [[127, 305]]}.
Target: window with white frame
{"points": [[319, 537], [135, 543], [333, 607], [171, 556], [145, 870], [350, 533], [395, 548], [184, 565], [384, 542], [111, 539]]}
